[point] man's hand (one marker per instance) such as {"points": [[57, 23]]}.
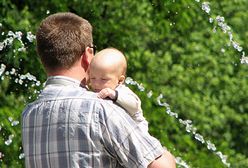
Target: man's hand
{"points": [[107, 92]]}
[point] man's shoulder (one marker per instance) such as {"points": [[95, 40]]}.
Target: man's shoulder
{"points": [[66, 91], [111, 112], [109, 105]]}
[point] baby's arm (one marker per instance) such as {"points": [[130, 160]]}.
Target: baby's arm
{"points": [[127, 99], [124, 97], [132, 104]]}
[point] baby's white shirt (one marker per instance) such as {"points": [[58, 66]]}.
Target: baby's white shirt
{"points": [[132, 104]]}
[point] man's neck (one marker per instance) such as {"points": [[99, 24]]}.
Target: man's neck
{"points": [[71, 73]]}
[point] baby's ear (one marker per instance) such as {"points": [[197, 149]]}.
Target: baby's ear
{"points": [[121, 79]]}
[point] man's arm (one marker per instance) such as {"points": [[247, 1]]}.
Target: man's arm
{"points": [[131, 144], [166, 160]]}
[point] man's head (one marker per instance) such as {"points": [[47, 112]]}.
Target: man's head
{"points": [[107, 69], [62, 40]]}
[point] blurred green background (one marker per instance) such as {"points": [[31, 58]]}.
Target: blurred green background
{"points": [[172, 48]]}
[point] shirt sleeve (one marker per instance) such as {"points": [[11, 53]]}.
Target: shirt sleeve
{"points": [[128, 100], [126, 141]]}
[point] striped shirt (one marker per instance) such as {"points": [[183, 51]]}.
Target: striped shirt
{"points": [[69, 127]]}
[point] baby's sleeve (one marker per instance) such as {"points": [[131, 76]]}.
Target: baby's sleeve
{"points": [[128, 100]]}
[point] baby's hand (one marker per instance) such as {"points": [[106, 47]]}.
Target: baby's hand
{"points": [[107, 92]]}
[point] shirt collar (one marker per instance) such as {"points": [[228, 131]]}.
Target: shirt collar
{"points": [[62, 80]]}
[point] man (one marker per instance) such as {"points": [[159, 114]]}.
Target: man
{"points": [[68, 126]]}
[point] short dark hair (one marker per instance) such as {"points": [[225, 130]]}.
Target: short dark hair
{"points": [[62, 39]]}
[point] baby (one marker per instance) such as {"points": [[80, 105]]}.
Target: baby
{"points": [[107, 77]]}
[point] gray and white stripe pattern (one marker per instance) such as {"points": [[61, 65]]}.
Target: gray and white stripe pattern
{"points": [[69, 127]]}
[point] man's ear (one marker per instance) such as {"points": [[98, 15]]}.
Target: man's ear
{"points": [[86, 58], [122, 79], [85, 63]]}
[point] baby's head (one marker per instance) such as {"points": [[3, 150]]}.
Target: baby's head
{"points": [[107, 69]]}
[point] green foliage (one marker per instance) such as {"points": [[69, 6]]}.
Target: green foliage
{"points": [[10, 140], [171, 48]]}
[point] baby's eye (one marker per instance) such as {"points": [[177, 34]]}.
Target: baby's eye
{"points": [[104, 79]]}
